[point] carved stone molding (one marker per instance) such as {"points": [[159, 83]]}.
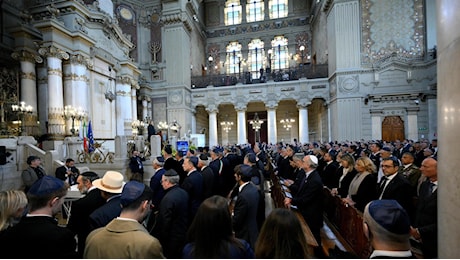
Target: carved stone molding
{"points": [[24, 55], [212, 108], [53, 51], [28, 75]]}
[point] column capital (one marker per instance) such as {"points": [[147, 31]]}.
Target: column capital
{"points": [[212, 109], [240, 107], [271, 104], [303, 103], [24, 55], [81, 59], [52, 51]]}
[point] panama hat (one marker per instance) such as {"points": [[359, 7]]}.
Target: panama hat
{"points": [[111, 182]]}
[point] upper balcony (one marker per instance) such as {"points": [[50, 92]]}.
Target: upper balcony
{"points": [[308, 71]]}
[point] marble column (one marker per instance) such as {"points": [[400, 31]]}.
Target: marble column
{"points": [[212, 111], [123, 106], [76, 92], [145, 111], [241, 124], [54, 57], [134, 104], [42, 91], [303, 122], [448, 54], [193, 122], [28, 87], [271, 123]]}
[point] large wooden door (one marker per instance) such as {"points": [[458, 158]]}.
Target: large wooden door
{"points": [[392, 128]]}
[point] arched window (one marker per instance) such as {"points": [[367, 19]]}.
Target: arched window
{"points": [[254, 10], [255, 57], [278, 8], [232, 12], [280, 54], [234, 58]]}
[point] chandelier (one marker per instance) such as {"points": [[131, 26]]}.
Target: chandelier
{"points": [[256, 122], [287, 122], [226, 125]]}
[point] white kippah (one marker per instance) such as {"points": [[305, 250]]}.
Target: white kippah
{"points": [[313, 159]]}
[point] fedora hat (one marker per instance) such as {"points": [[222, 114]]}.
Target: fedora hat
{"points": [[111, 182]]}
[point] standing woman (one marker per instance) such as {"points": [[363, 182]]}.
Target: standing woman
{"points": [[13, 203], [282, 236], [362, 188], [211, 235], [347, 172]]}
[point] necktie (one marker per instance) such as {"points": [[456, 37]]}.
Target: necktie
{"points": [[383, 181], [430, 188]]}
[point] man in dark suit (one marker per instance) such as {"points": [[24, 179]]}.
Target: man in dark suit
{"points": [[329, 174], [39, 231], [136, 167], [68, 172], [193, 184], [386, 224], [83, 207], [208, 176], [425, 227], [111, 186], [245, 211], [394, 186], [172, 220], [309, 199], [171, 162], [375, 153], [150, 130]]}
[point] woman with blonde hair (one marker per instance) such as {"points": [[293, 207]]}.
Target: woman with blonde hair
{"points": [[282, 236], [363, 187], [346, 173], [12, 206]]}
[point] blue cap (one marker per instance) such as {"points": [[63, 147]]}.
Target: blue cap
{"points": [[46, 185], [386, 148], [246, 171], [131, 191], [194, 161], [160, 159], [389, 215], [252, 158]]}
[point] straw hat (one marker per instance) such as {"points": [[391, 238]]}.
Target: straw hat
{"points": [[112, 182]]}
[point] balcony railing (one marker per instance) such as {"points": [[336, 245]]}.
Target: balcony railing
{"points": [[308, 71]]}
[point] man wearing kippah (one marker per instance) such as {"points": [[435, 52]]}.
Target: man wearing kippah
{"points": [[125, 236], [38, 231], [386, 224]]}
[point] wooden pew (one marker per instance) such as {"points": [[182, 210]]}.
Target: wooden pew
{"points": [[347, 224], [278, 194]]}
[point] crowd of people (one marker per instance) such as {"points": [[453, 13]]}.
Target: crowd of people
{"points": [[210, 202]]}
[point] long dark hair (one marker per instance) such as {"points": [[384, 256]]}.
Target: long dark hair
{"points": [[211, 230], [282, 236]]}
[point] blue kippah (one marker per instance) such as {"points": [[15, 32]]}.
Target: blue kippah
{"points": [[390, 215], [46, 185], [131, 191]]}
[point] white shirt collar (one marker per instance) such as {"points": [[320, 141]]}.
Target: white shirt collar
{"points": [[242, 185], [397, 254]]}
